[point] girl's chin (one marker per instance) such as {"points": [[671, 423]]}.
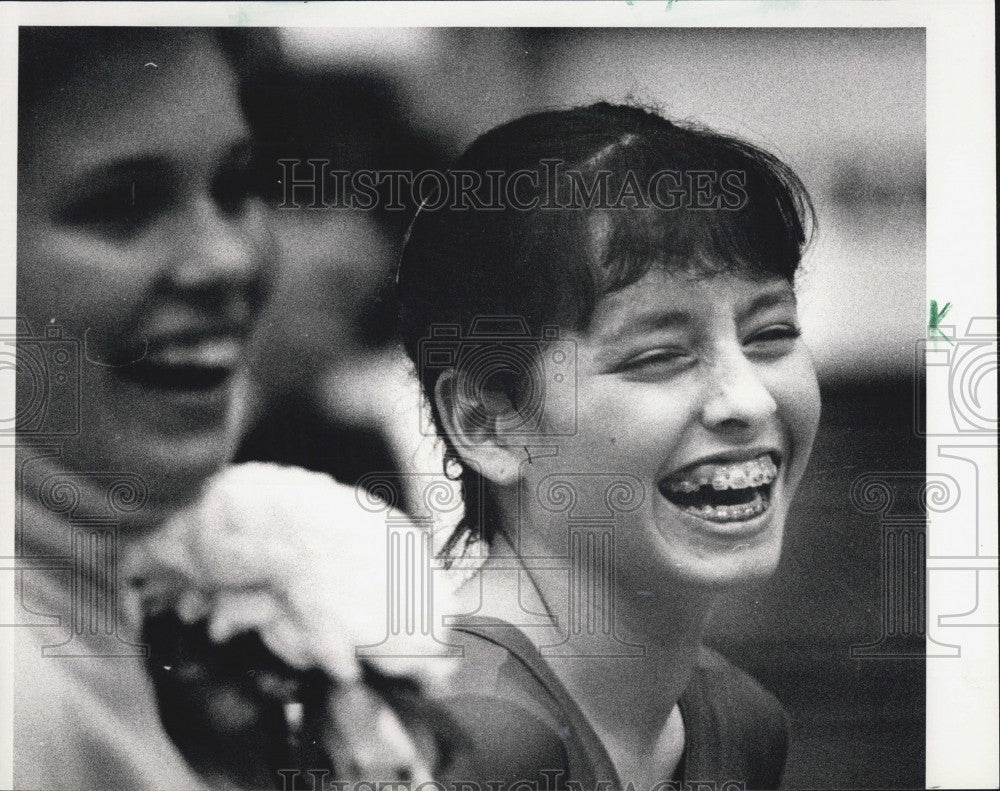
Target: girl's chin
{"points": [[179, 478], [703, 578], [716, 565], [741, 568]]}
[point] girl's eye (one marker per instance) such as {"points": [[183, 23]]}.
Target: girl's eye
{"points": [[656, 363], [775, 340], [121, 209], [238, 183]]}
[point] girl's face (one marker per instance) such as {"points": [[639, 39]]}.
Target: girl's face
{"points": [[140, 239], [701, 390]]}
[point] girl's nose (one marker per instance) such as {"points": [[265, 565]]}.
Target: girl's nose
{"points": [[738, 400], [232, 251]]}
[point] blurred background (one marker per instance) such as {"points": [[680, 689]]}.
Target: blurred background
{"points": [[845, 108]]}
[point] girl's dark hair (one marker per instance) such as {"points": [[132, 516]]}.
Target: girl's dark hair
{"points": [[548, 265]]}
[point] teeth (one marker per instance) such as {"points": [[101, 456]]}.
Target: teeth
{"points": [[730, 513], [757, 472], [206, 353]]}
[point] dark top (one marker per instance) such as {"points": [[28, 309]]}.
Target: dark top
{"points": [[296, 432], [523, 725]]}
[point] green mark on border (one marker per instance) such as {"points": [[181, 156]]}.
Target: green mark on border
{"points": [[240, 16], [934, 321]]}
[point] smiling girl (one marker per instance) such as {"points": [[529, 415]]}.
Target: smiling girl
{"points": [[682, 375]]}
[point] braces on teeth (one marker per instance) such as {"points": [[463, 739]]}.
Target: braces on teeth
{"points": [[730, 513], [758, 472]]}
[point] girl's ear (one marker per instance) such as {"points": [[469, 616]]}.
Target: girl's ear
{"points": [[472, 420]]}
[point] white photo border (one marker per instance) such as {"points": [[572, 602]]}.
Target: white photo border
{"points": [[962, 690]]}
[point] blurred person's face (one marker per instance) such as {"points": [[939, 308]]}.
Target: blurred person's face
{"points": [[700, 391], [139, 236]]}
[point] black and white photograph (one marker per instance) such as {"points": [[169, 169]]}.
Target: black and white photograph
{"points": [[498, 396]]}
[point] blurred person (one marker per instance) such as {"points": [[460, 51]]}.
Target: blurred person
{"points": [[652, 341], [144, 257], [140, 233], [332, 389]]}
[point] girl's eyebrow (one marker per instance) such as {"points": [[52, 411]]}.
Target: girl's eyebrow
{"points": [[646, 323], [770, 298], [150, 166], [114, 172]]}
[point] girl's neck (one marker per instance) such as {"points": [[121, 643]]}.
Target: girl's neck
{"points": [[627, 686]]}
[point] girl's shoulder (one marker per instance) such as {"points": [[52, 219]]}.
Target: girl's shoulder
{"points": [[518, 720], [521, 724]]}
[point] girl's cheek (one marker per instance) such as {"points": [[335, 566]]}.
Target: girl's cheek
{"points": [[801, 400]]}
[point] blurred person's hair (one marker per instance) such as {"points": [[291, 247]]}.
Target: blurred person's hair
{"points": [[354, 120], [49, 57]]}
